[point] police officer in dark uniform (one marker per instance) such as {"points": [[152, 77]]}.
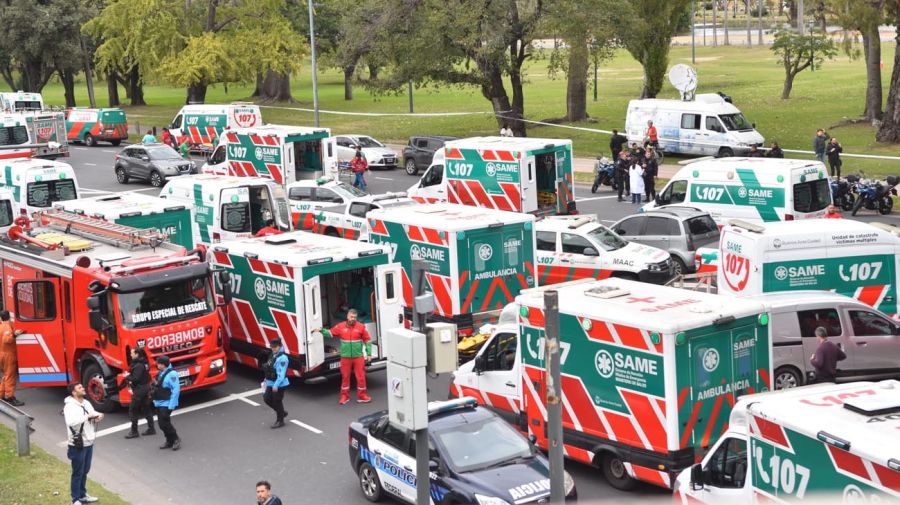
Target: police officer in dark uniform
{"points": [[138, 379], [620, 174]]}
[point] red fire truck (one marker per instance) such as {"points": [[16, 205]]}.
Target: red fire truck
{"points": [[85, 292]]}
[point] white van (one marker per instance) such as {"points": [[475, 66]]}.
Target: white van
{"points": [[227, 208], [756, 190], [37, 184], [203, 124], [852, 258], [707, 125]]}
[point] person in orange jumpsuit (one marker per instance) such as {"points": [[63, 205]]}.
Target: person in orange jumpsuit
{"points": [[9, 363], [356, 352]]}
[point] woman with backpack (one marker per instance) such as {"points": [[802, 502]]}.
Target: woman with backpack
{"points": [[275, 372]]}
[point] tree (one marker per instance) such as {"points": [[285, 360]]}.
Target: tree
{"points": [[798, 52], [890, 125], [587, 28], [648, 37], [864, 16], [461, 42]]}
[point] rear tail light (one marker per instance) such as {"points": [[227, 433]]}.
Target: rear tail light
{"points": [[788, 217]]}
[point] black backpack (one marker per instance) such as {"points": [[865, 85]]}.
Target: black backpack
{"points": [[268, 367], [157, 391]]}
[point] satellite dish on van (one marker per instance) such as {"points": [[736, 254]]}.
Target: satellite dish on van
{"points": [[684, 79]]}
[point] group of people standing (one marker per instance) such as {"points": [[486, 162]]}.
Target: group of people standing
{"points": [[830, 148], [635, 168]]}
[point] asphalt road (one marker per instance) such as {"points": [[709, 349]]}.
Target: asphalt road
{"points": [[227, 444]]}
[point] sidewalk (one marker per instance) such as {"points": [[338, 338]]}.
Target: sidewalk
{"points": [[666, 171]]}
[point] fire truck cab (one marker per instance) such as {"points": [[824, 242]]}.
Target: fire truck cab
{"points": [[86, 291]]}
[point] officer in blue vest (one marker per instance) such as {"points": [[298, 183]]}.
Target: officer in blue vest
{"points": [[275, 370], [165, 392]]}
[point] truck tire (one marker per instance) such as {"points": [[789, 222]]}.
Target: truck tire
{"points": [[787, 377], [369, 483], [725, 152], [614, 470], [95, 387], [115, 143], [89, 140], [411, 168]]}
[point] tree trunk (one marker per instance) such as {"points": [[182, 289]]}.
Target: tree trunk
{"points": [[494, 90], [576, 86], [874, 94], [655, 61], [373, 71], [68, 81], [258, 91], [348, 82], [788, 85], [890, 125], [112, 89], [277, 87], [196, 93], [88, 74], [136, 87], [31, 76]]}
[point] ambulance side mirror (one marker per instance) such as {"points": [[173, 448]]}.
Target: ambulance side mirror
{"points": [[590, 251], [697, 477], [479, 365], [223, 278]]}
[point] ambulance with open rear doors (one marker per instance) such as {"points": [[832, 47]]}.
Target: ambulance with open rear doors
{"points": [[202, 124]]}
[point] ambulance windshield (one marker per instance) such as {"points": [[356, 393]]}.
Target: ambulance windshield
{"points": [[13, 135], [165, 304], [605, 238]]}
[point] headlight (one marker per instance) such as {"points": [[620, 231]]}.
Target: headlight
{"points": [[655, 267], [489, 500], [217, 363], [570, 483]]}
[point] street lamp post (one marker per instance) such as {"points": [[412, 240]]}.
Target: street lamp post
{"points": [[315, 83]]}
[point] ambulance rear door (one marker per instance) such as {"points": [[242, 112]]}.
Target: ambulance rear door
{"points": [[39, 309], [389, 303], [329, 158], [314, 351], [529, 185]]}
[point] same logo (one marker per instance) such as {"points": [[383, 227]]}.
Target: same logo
{"points": [[710, 360], [603, 362], [485, 252], [781, 273], [742, 192], [490, 169], [415, 251], [259, 287], [259, 153], [776, 243]]}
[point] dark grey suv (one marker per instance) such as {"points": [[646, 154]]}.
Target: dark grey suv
{"points": [[677, 229], [419, 152], [151, 162]]}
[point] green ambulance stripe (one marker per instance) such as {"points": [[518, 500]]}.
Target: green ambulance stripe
{"points": [[766, 212], [9, 183], [202, 222]]}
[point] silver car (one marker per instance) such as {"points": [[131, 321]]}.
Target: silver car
{"points": [[870, 339], [679, 230], [151, 162]]}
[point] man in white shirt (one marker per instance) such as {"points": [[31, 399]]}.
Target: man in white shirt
{"points": [[81, 421]]}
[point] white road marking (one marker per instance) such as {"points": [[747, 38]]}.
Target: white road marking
{"points": [[306, 426], [109, 151], [193, 408], [383, 178], [249, 401], [90, 164], [595, 198]]}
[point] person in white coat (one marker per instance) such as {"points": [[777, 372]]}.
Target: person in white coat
{"points": [[81, 420], [636, 178]]}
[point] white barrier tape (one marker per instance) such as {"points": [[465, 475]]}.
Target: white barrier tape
{"points": [[380, 114]]}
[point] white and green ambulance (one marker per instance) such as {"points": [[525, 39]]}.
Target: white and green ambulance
{"points": [[33, 135], [849, 257], [202, 124], [649, 373], [516, 174], [758, 190], [38, 184], [20, 101], [285, 154], [477, 260], [828, 443], [140, 211], [284, 286], [226, 208]]}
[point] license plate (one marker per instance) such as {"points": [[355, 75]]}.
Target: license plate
{"points": [[335, 365], [184, 372]]}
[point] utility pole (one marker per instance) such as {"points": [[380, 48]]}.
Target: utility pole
{"points": [[759, 12], [315, 83], [715, 23], [409, 88], [725, 22], [704, 25], [554, 397], [693, 34], [749, 38], [423, 480], [800, 13]]}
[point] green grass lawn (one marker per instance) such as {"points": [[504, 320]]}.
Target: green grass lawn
{"points": [[39, 478], [825, 98]]}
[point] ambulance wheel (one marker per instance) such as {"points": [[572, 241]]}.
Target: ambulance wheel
{"points": [[95, 387], [115, 143], [121, 176], [89, 140], [331, 232], [369, 483], [787, 378], [616, 474], [725, 152], [156, 179], [411, 168]]}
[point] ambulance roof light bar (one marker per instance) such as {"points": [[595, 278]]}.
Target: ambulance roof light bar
{"points": [[740, 223], [583, 220], [890, 228]]}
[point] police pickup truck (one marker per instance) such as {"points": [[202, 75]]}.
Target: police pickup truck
{"points": [[578, 247], [348, 220], [475, 457]]}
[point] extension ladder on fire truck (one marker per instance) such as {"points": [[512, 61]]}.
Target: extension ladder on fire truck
{"points": [[98, 229]]}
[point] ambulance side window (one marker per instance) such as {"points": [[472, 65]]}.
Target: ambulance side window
{"points": [[675, 193], [35, 301], [501, 352], [300, 193], [434, 176], [218, 156], [727, 468], [176, 123], [236, 217], [546, 241], [576, 244], [359, 209], [6, 215]]}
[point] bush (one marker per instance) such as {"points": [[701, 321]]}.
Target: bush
{"points": [[754, 13]]}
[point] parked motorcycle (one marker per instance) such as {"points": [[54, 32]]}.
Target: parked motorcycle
{"points": [[604, 169], [877, 196], [842, 192]]}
